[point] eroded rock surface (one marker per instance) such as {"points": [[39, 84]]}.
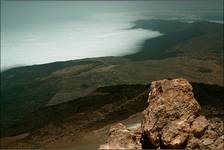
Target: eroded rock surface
{"points": [[172, 120], [199, 125], [120, 137], [171, 110]]}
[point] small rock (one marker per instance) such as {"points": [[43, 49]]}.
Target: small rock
{"points": [[220, 146], [207, 142], [174, 135], [193, 143], [120, 137], [199, 125]]}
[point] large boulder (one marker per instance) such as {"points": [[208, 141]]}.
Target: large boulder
{"points": [[172, 120], [172, 108]]}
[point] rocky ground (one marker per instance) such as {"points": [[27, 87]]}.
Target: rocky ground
{"points": [[172, 120], [86, 121]]}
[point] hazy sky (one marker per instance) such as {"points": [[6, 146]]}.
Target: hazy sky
{"points": [[47, 31]]}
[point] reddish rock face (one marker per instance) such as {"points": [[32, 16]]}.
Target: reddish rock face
{"points": [[175, 134], [172, 120], [211, 138], [171, 109], [199, 125]]}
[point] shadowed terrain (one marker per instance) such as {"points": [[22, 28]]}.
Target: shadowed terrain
{"points": [[106, 105]]}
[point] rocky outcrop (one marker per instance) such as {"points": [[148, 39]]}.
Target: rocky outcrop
{"points": [[171, 110], [120, 137], [171, 120]]}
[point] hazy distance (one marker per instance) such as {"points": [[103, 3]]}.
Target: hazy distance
{"points": [[46, 31]]}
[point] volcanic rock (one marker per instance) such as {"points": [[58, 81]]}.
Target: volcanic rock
{"points": [[172, 120], [199, 125], [120, 137], [171, 109], [212, 138]]}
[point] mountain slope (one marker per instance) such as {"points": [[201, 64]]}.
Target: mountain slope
{"points": [[176, 34], [192, 51], [106, 105]]}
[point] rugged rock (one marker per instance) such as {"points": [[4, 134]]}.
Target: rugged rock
{"points": [[212, 138], [175, 134], [199, 125], [171, 109], [120, 137], [171, 120]]}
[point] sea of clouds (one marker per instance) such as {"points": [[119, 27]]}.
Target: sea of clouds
{"points": [[67, 34], [108, 34]]}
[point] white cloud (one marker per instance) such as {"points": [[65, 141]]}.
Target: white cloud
{"points": [[93, 36]]}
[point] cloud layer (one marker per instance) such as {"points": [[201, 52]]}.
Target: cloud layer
{"points": [[46, 31], [92, 36]]}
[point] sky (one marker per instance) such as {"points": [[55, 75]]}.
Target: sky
{"points": [[40, 32]]}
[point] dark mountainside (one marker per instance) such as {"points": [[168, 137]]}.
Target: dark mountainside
{"points": [[116, 96], [103, 106], [175, 34], [80, 95], [113, 95], [22, 91]]}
